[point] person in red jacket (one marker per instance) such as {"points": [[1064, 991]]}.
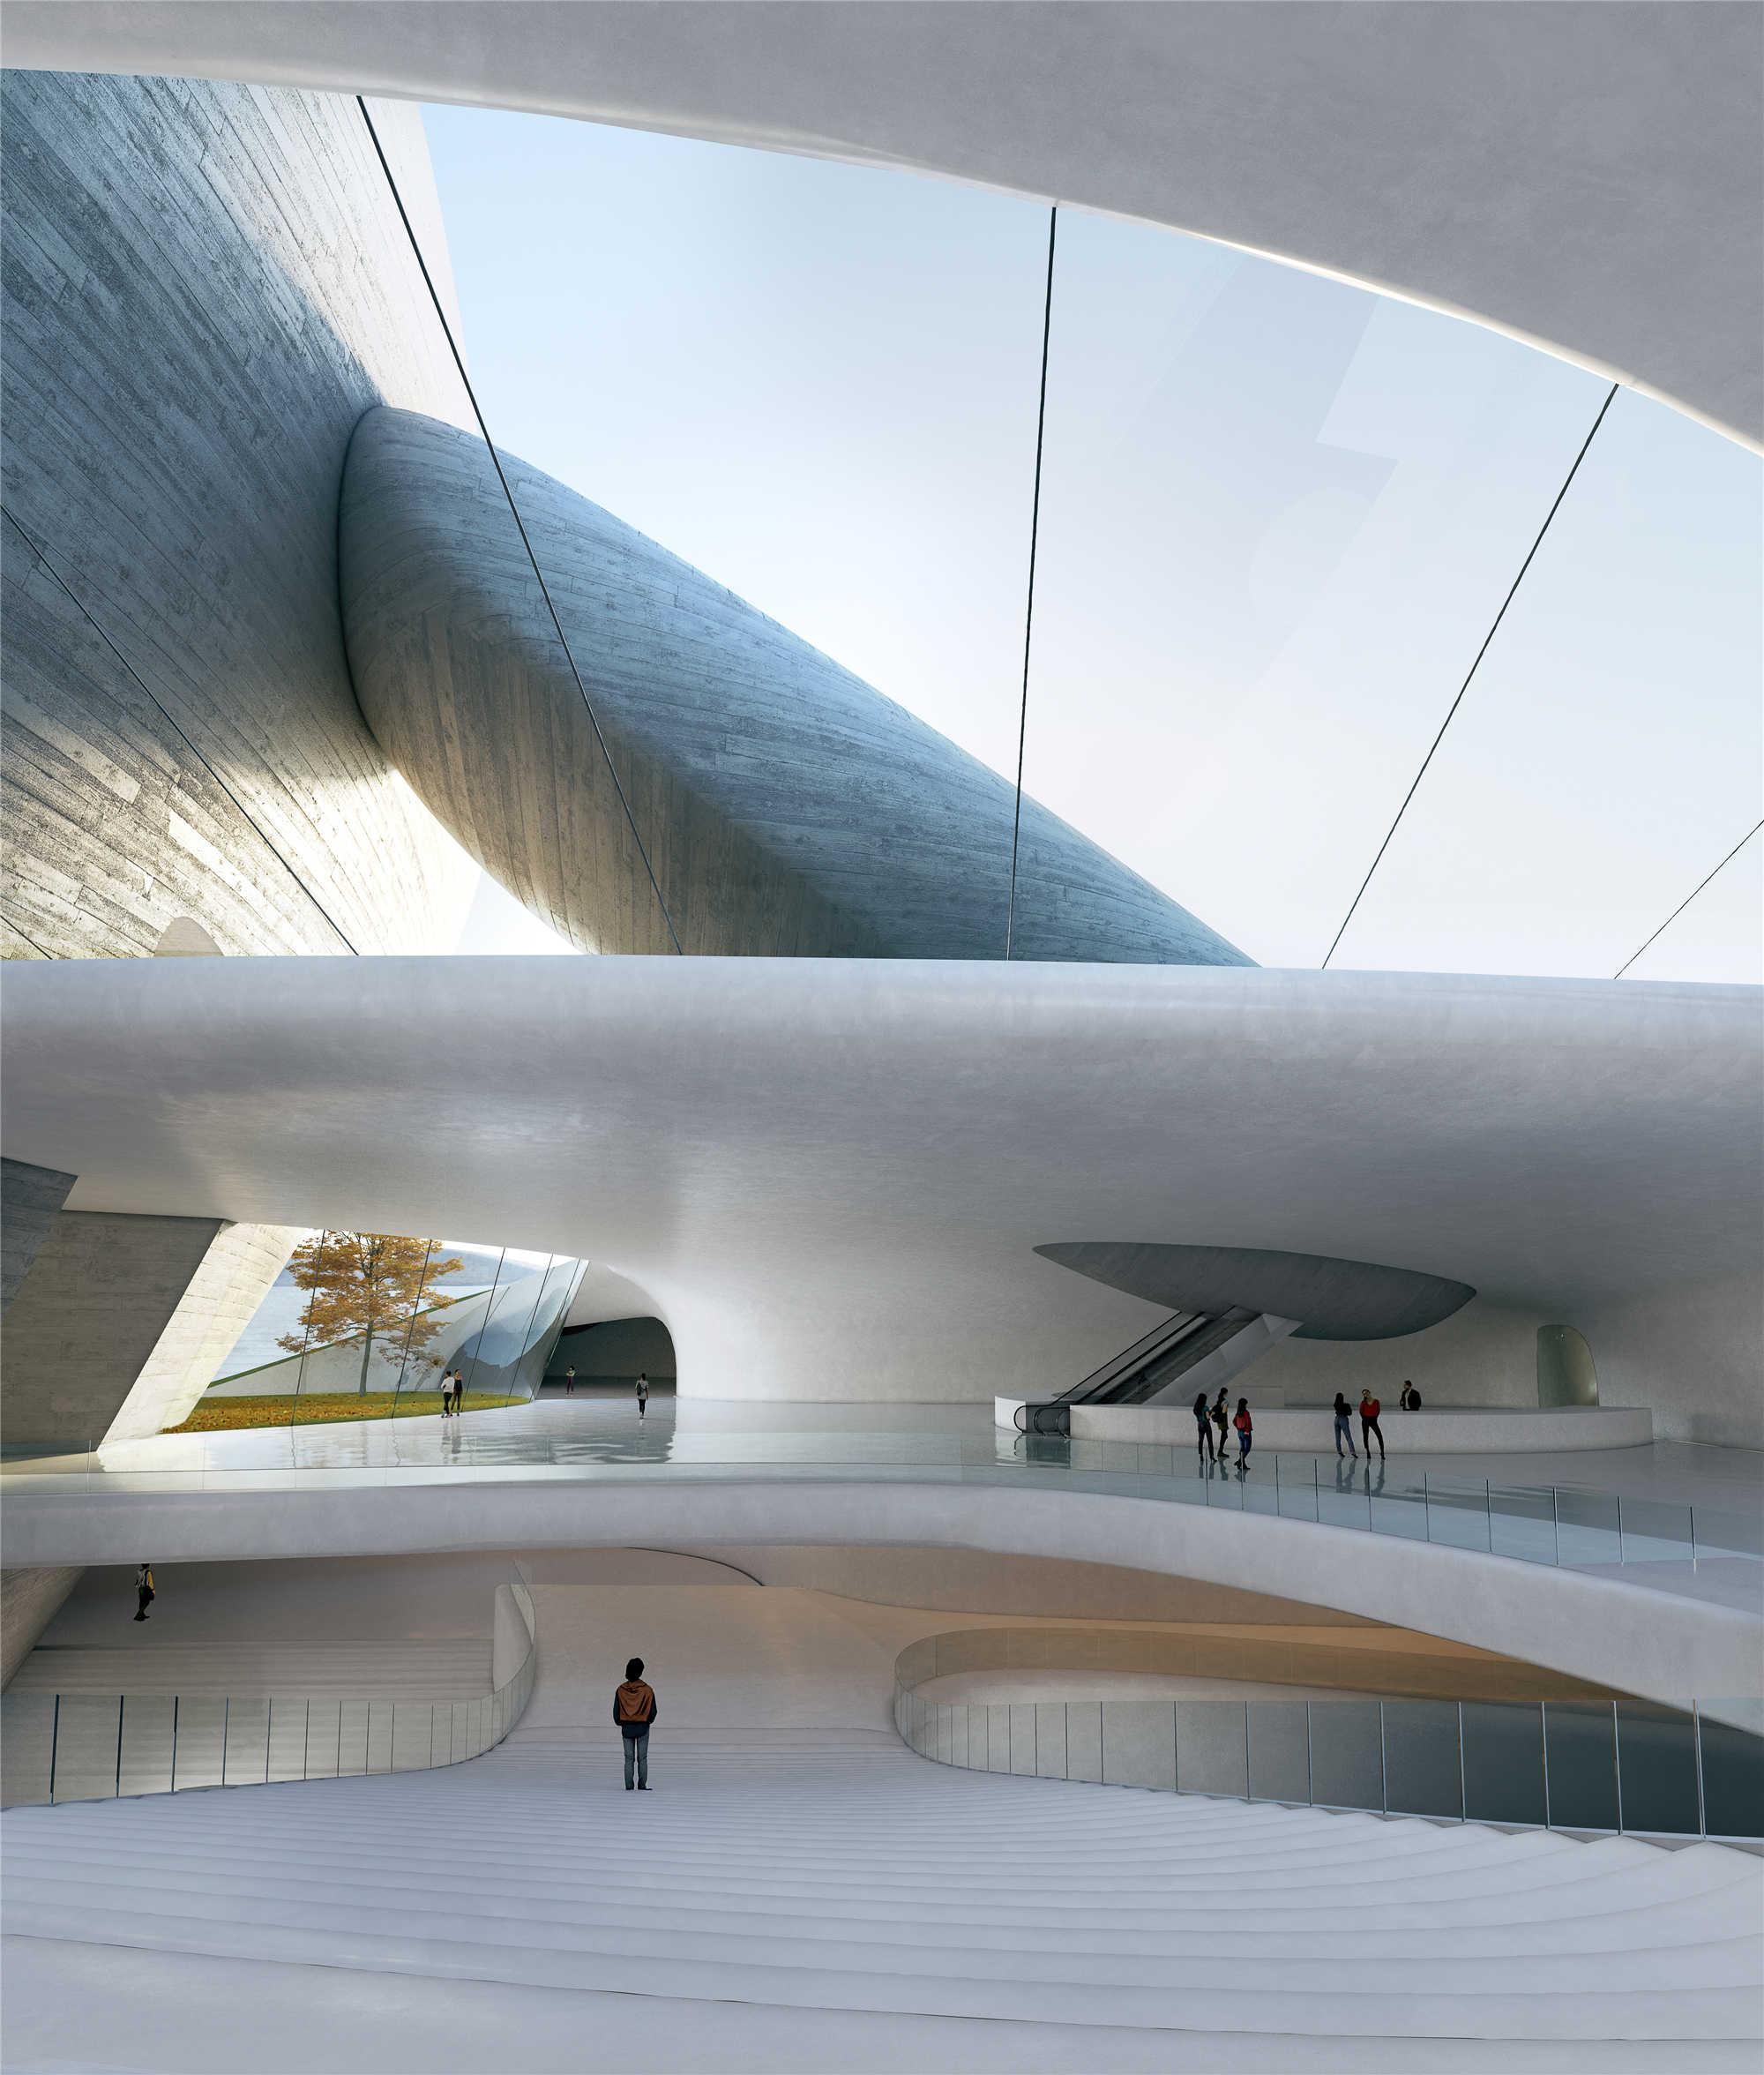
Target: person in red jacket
{"points": [[1246, 1431], [633, 1708], [1369, 1424]]}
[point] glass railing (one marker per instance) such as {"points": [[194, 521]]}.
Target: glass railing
{"points": [[85, 1747], [1617, 1765], [1572, 1526]]}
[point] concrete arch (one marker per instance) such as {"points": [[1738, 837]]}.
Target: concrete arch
{"points": [[1580, 176]]}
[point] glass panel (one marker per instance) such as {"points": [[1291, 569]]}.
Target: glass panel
{"points": [[1654, 1531], [1579, 1742], [1295, 1482], [1558, 823], [1733, 1780], [1280, 1751], [1399, 1503], [1050, 1739], [201, 1742], [1657, 1768], [869, 329], [412, 1727], [1251, 473], [89, 1726], [1342, 1501], [1345, 1768], [1503, 1762], [1523, 1523], [288, 1738], [324, 1738], [1724, 1532], [1421, 1757], [248, 1742], [1084, 1739], [1139, 1743], [352, 1736], [28, 1738], [1458, 1512], [1023, 1739], [997, 1739], [1586, 1528], [1211, 1752]]}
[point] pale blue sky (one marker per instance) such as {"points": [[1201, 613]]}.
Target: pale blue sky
{"points": [[1278, 516]]}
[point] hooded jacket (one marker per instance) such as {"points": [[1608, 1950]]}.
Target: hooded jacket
{"points": [[634, 1706]]}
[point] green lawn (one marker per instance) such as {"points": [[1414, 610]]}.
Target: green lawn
{"points": [[219, 1415]]}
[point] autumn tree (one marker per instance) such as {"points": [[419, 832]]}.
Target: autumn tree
{"points": [[370, 1284]]}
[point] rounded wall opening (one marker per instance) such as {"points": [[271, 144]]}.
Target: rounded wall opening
{"points": [[608, 1356], [1565, 1374]]}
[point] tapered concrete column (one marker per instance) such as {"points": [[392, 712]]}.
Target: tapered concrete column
{"points": [[30, 1197], [119, 1311], [28, 1601]]}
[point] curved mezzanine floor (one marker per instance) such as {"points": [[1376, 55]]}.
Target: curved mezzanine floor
{"points": [[586, 1472], [800, 1893]]}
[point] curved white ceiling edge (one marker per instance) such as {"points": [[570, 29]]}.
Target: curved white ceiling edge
{"points": [[827, 1168], [1578, 175], [1593, 1627]]}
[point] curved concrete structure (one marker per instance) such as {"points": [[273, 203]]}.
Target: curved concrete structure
{"points": [[205, 286], [832, 1175], [785, 807], [1332, 1299], [801, 1893], [1582, 177], [1612, 1632]]}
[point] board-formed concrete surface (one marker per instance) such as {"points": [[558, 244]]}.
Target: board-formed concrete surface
{"points": [[784, 807], [205, 285]]}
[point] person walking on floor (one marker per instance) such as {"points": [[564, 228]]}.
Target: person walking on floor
{"points": [[459, 1392], [1344, 1426], [145, 1594], [1246, 1431], [642, 1394], [1369, 1424], [1222, 1420], [446, 1394], [1204, 1452], [633, 1708]]}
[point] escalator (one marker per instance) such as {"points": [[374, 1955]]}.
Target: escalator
{"points": [[1151, 1367]]}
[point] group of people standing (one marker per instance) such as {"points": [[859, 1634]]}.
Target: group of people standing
{"points": [[1215, 1420], [1207, 1418]]}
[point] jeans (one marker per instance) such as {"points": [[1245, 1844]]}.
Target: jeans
{"points": [[1245, 1442], [1344, 1431], [637, 1754], [1203, 1437]]}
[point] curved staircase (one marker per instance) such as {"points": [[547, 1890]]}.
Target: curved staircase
{"points": [[835, 1873]]}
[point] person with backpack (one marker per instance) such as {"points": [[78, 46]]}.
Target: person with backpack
{"points": [[1344, 1427], [1246, 1431], [145, 1594], [633, 1708], [1204, 1452], [1369, 1424]]}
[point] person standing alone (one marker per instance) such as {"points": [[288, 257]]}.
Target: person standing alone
{"points": [[633, 1708], [642, 1394], [145, 1594], [1370, 1429]]}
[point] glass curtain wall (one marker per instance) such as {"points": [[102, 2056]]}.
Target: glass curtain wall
{"points": [[1278, 517], [787, 410]]}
